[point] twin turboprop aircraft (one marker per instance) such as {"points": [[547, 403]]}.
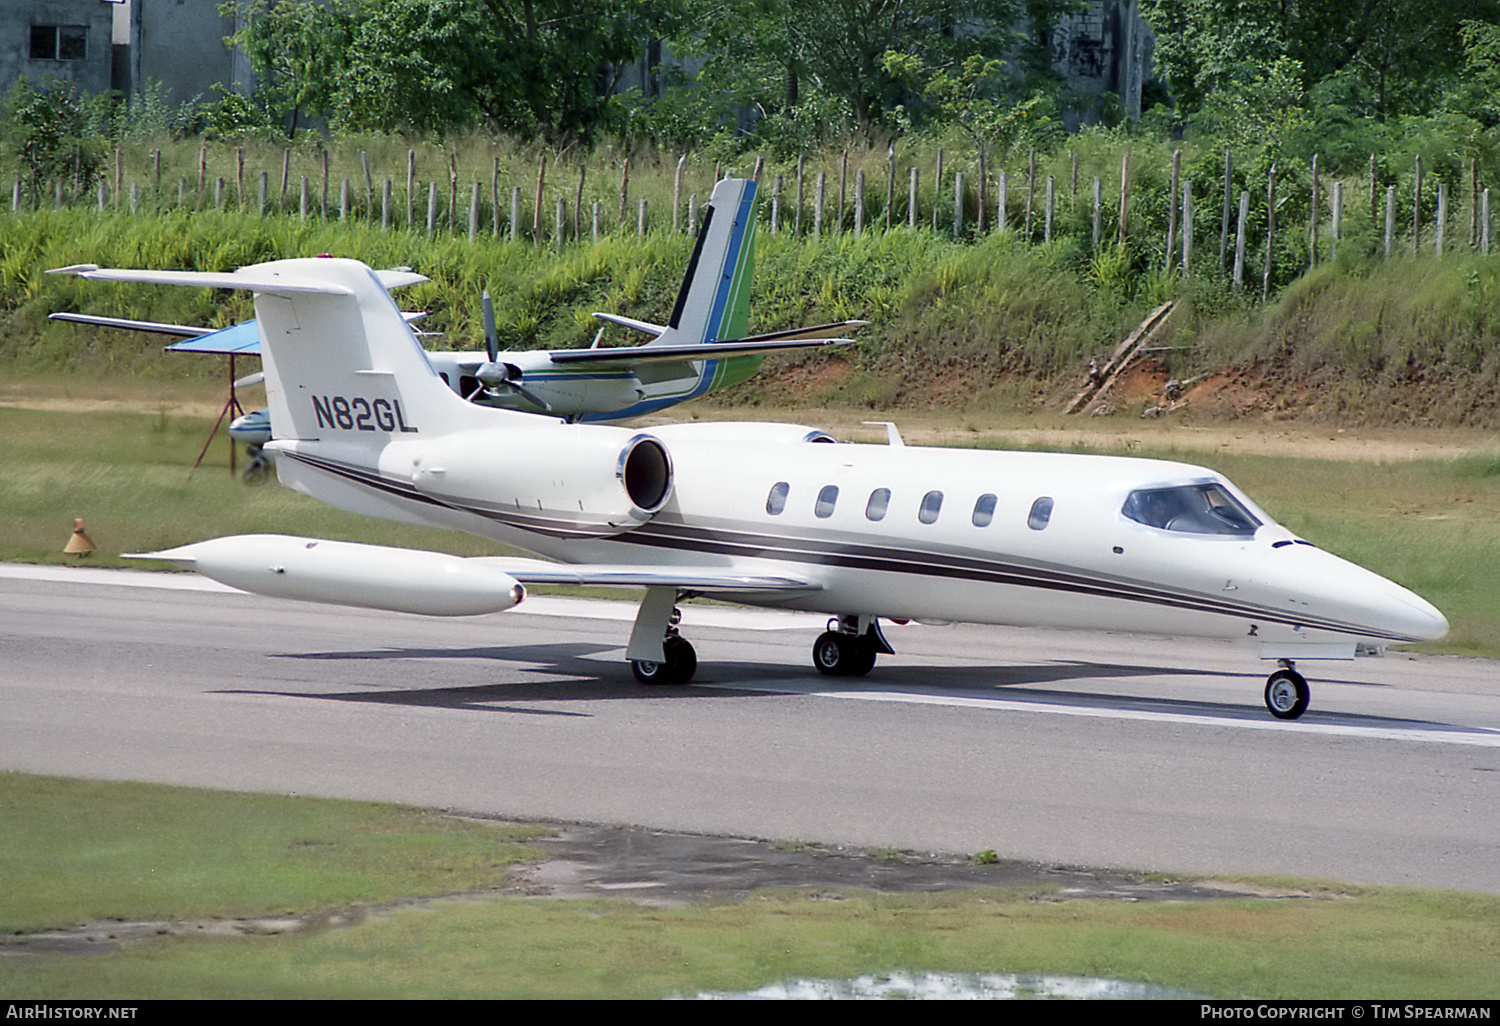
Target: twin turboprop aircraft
{"points": [[764, 514], [704, 346]]}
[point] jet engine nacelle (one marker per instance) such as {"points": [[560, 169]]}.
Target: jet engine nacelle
{"points": [[564, 479]]}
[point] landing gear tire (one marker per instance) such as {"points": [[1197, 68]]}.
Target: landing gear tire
{"points": [[843, 655], [258, 471], [680, 665], [1286, 694]]}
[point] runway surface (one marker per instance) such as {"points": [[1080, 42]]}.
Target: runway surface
{"points": [[1069, 748]]}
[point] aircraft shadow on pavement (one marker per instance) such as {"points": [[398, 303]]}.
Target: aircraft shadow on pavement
{"points": [[583, 678]]}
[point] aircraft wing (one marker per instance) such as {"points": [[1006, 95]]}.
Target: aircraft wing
{"points": [[536, 571], [631, 323]]}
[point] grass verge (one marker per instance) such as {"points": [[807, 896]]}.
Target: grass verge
{"points": [[84, 850]]}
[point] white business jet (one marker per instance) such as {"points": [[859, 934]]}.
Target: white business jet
{"points": [[764, 514]]}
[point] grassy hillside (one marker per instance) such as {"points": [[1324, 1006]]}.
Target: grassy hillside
{"points": [[1409, 340]]}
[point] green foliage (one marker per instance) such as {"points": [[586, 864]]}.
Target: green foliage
{"points": [[53, 131]]}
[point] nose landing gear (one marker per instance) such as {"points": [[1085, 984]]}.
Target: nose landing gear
{"points": [[1286, 692]]}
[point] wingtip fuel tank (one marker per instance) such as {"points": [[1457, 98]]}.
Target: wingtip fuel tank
{"points": [[349, 574]]}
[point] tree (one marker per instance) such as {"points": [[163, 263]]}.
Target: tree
{"points": [[296, 50], [769, 52], [526, 66], [1400, 54]]}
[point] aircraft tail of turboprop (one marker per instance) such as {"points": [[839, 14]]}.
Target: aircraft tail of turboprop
{"points": [[714, 301]]}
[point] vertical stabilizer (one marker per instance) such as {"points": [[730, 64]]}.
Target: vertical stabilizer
{"points": [[714, 302], [341, 362]]}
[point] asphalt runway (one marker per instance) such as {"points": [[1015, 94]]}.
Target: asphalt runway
{"points": [[1063, 748]]}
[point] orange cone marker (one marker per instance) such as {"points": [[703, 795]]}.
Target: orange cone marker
{"points": [[80, 544]]}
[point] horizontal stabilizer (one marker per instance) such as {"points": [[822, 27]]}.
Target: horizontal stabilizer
{"points": [[631, 323], [259, 278], [703, 351]]}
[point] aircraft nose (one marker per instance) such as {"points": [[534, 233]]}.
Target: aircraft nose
{"points": [[1412, 615]]}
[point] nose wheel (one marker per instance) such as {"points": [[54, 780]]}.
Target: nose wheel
{"points": [[1286, 693]]}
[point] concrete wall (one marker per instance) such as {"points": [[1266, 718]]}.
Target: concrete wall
{"points": [[180, 43], [1107, 48], [82, 27]]}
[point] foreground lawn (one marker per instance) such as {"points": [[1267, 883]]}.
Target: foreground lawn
{"points": [[82, 850]]}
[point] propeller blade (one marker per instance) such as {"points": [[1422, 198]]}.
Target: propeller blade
{"points": [[491, 337]]}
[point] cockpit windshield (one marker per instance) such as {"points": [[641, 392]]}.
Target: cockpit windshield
{"points": [[1191, 509]]}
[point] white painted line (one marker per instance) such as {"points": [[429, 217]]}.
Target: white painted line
{"points": [[1486, 739]]}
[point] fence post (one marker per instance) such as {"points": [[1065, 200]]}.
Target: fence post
{"points": [[1224, 221], [411, 186], [1442, 220], [1312, 218], [1047, 222], [364, 163], [1187, 229], [343, 199], [859, 202], [958, 205], [536, 210], [677, 197], [692, 223], [640, 217], [624, 187], [1338, 215], [598, 206], [1239, 240], [135, 196], [1002, 204], [1124, 193], [937, 189], [103, 195], [265, 189], [890, 183], [303, 206], [1098, 209], [801, 200], [286, 174], [1030, 191], [911, 198], [219, 193], [838, 224], [775, 208], [474, 212], [818, 195], [1416, 209], [1172, 205], [1265, 281], [562, 221], [432, 208], [1484, 222], [239, 177], [515, 211], [1390, 219]]}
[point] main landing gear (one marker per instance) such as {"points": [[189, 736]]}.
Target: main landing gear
{"points": [[658, 654], [849, 646], [1286, 692]]}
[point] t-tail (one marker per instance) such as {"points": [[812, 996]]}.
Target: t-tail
{"points": [[342, 365]]}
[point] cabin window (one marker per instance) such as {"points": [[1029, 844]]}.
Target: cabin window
{"points": [[776, 501], [823, 509], [880, 501], [984, 510], [1041, 513], [932, 504], [1191, 509]]}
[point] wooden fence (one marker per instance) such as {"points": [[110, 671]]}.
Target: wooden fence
{"points": [[969, 206]]}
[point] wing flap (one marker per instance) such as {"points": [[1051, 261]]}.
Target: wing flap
{"points": [[631, 355]]}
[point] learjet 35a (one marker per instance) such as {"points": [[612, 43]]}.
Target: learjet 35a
{"points": [[764, 514], [704, 346]]}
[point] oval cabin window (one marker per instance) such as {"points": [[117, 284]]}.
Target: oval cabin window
{"points": [[984, 510], [880, 501], [1041, 513], [827, 498], [932, 505], [776, 501]]}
